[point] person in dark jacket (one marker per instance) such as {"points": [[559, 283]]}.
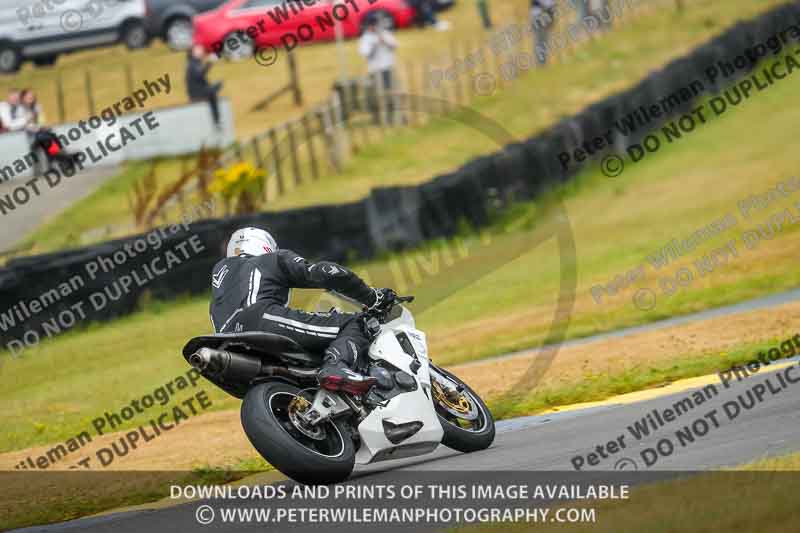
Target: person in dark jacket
{"points": [[483, 11], [197, 84], [251, 288], [542, 14]]}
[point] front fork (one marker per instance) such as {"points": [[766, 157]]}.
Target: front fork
{"points": [[451, 390]]}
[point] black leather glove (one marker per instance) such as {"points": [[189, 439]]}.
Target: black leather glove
{"points": [[382, 299]]}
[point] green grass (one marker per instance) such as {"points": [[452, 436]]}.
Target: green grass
{"points": [[595, 387], [760, 503], [70, 495], [649, 35], [762, 500], [56, 389]]}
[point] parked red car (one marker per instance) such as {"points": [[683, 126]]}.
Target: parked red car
{"points": [[239, 27]]}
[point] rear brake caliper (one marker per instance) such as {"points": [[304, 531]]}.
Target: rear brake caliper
{"points": [[302, 418]]}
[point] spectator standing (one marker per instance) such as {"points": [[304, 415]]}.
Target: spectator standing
{"points": [[197, 84], [378, 46], [483, 10], [42, 138], [426, 14], [12, 114], [32, 109], [542, 13]]}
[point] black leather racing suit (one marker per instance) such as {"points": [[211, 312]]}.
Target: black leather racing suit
{"points": [[252, 294]]}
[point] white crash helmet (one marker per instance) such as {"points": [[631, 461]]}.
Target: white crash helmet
{"points": [[251, 241]]}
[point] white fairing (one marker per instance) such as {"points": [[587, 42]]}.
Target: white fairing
{"points": [[414, 406]]}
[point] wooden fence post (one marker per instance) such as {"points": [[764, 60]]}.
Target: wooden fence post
{"points": [[465, 81], [276, 158], [294, 80], [337, 117], [257, 153], [333, 154], [129, 77], [459, 96], [364, 86], [427, 90], [444, 92], [62, 115], [310, 144], [298, 178], [349, 121], [412, 93], [89, 91], [262, 164], [380, 89]]}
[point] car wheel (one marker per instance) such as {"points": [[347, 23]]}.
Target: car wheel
{"points": [[10, 58], [383, 17], [238, 46], [45, 61], [134, 35], [179, 33]]}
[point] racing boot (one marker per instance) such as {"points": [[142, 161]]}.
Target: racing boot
{"points": [[336, 375]]}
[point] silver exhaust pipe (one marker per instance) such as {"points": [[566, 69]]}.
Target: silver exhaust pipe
{"points": [[201, 359], [231, 366]]}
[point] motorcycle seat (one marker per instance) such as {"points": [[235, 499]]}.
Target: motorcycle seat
{"points": [[254, 341]]}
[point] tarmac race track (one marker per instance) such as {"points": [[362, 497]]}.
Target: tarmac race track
{"points": [[698, 424], [546, 444]]}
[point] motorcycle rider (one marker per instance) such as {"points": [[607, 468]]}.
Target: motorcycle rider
{"points": [[251, 288]]}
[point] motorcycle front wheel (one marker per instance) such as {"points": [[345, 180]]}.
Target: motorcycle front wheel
{"points": [[314, 455], [467, 422]]}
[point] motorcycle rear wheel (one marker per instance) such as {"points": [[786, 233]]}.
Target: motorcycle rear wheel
{"points": [[317, 455], [467, 422]]}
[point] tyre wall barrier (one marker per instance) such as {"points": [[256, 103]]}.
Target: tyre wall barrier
{"points": [[390, 219]]}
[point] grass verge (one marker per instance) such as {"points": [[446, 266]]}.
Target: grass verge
{"points": [[480, 295], [650, 34], [757, 497]]}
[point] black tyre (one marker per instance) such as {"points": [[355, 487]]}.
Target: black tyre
{"points": [[134, 35], [467, 422], [179, 33], [314, 456], [10, 58]]}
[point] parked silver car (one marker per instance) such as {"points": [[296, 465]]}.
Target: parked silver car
{"points": [[41, 30]]}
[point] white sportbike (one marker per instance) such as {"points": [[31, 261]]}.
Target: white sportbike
{"points": [[406, 408]]}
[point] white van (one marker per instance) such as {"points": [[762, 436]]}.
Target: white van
{"points": [[41, 30]]}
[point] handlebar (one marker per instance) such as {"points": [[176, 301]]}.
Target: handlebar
{"points": [[382, 313]]}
